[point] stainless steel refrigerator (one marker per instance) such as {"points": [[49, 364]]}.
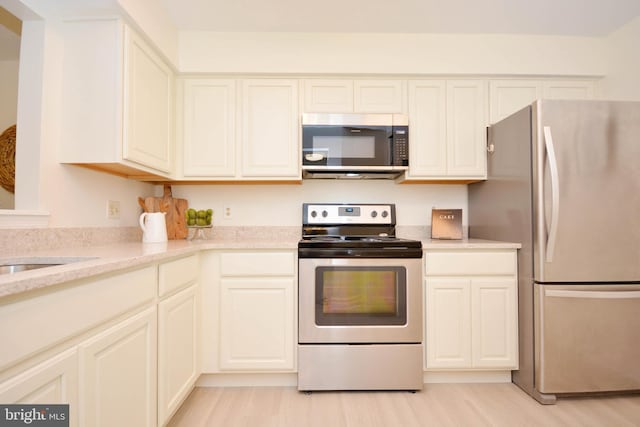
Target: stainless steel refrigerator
{"points": [[564, 181]]}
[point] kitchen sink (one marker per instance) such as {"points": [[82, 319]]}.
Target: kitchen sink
{"points": [[26, 264], [15, 268]]}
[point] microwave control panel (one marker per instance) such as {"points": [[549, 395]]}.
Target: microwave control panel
{"points": [[400, 146]]}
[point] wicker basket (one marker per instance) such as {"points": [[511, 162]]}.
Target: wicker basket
{"points": [[8, 159]]}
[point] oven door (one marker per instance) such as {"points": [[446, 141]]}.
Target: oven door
{"points": [[360, 300]]}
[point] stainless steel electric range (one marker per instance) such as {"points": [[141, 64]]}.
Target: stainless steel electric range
{"points": [[360, 300]]}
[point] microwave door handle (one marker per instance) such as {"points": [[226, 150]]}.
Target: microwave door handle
{"points": [[555, 194]]}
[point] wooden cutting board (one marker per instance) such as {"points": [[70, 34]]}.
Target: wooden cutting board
{"points": [[175, 210]]}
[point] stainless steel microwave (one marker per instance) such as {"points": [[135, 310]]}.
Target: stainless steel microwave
{"points": [[354, 145]]}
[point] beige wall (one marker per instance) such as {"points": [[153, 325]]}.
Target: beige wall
{"points": [[8, 93], [281, 205], [391, 53], [622, 79]]}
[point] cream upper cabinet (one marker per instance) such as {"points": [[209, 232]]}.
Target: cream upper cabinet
{"points": [[354, 96], [466, 128], [240, 130], [568, 89], [510, 95], [270, 129], [471, 309], [117, 101], [148, 105], [209, 128], [328, 96], [427, 128], [447, 127], [378, 96]]}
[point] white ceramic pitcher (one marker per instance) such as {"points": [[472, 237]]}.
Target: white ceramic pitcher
{"points": [[154, 227]]}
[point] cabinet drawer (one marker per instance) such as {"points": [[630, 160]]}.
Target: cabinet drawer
{"points": [[257, 264], [462, 263], [177, 274], [46, 320]]}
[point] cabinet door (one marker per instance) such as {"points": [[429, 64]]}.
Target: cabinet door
{"points": [[91, 91], [118, 374], [270, 129], [209, 143], [148, 110], [494, 320], [428, 121], [51, 382], [378, 96], [257, 318], [466, 128], [508, 96], [177, 350], [328, 96], [448, 323], [568, 89]]}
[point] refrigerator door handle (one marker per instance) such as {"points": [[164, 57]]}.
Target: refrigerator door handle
{"points": [[562, 293], [555, 194]]}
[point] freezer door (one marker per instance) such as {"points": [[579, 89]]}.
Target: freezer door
{"points": [[586, 195], [587, 338]]}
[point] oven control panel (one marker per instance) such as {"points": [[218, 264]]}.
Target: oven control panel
{"points": [[348, 214]]}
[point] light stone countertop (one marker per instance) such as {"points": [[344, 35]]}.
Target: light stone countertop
{"points": [[467, 244], [93, 261], [97, 260]]}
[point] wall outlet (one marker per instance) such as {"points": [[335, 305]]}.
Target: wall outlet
{"points": [[227, 212], [113, 209]]}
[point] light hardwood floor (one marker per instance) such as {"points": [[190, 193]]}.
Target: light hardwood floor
{"points": [[436, 405]]}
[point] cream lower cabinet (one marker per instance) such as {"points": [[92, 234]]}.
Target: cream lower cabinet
{"points": [[121, 349], [257, 311], [118, 374], [178, 334], [177, 350], [54, 381], [59, 344], [471, 309], [448, 323]]}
